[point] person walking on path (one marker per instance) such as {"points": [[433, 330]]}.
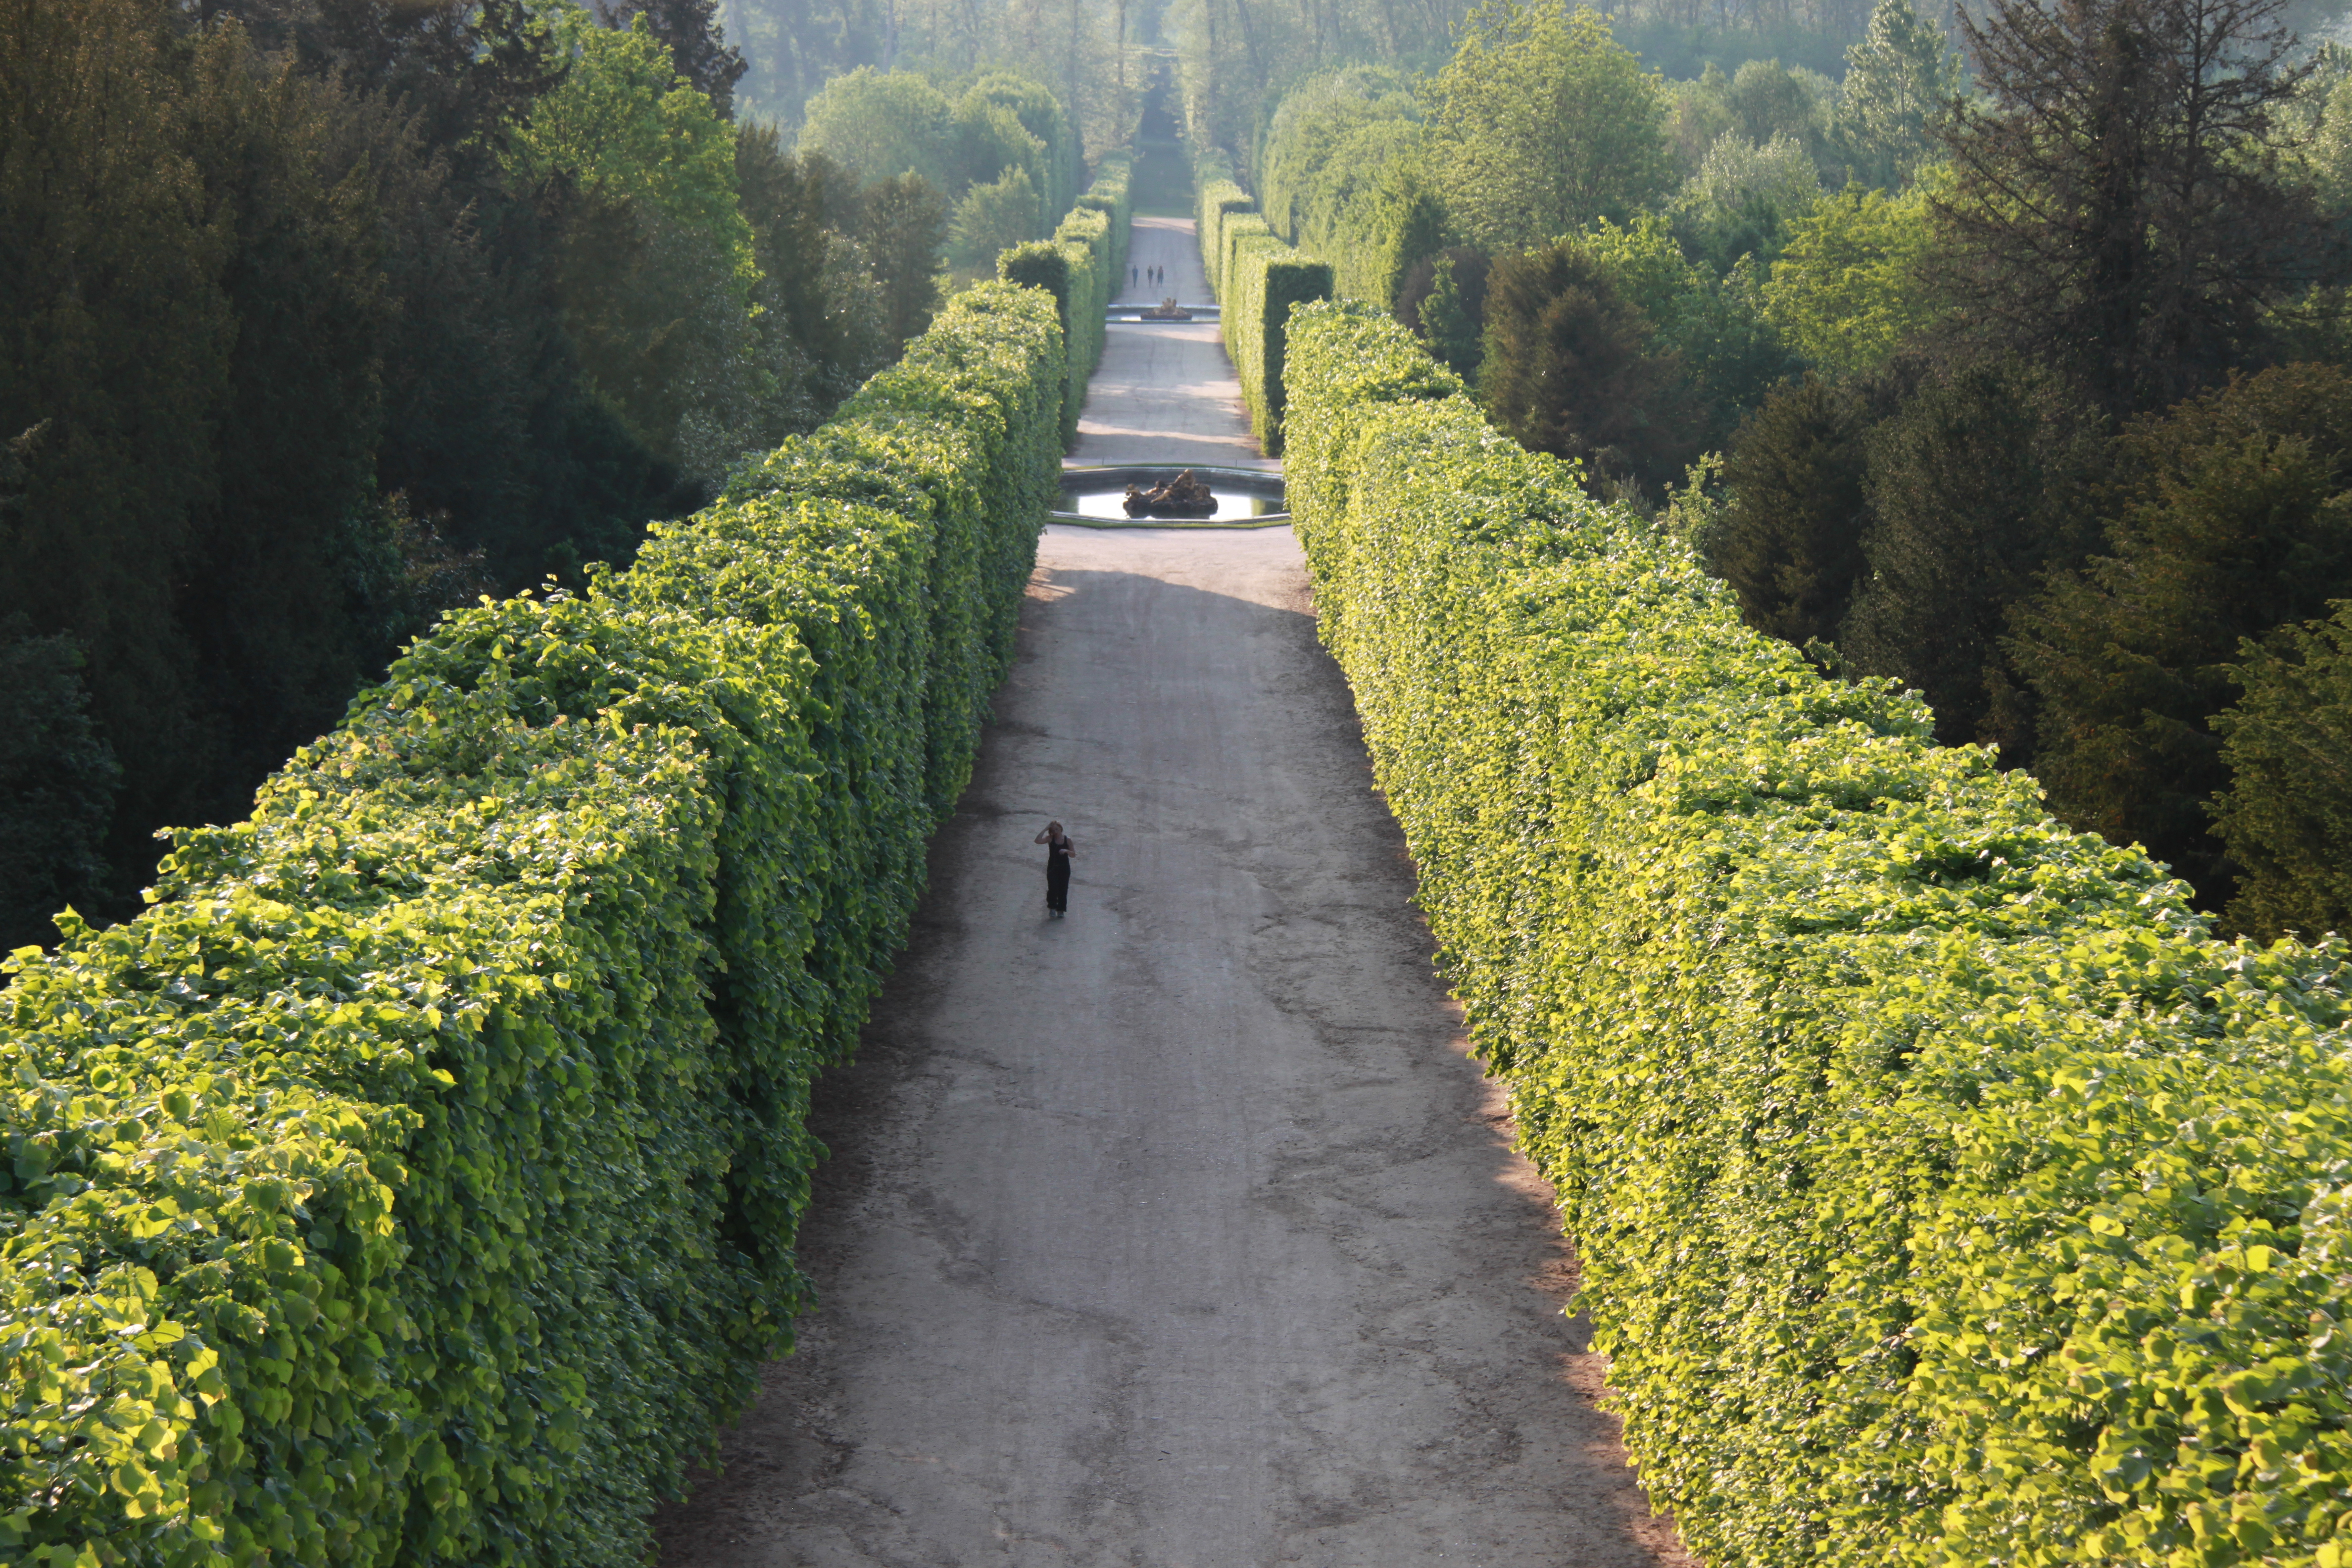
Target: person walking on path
{"points": [[1059, 851]]}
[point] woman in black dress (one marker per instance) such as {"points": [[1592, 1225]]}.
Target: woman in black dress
{"points": [[1059, 851]]}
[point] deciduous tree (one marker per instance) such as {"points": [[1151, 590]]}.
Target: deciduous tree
{"points": [[1541, 122], [2121, 205]]}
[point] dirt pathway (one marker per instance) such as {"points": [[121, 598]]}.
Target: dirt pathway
{"points": [[1165, 393], [1178, 1234]]}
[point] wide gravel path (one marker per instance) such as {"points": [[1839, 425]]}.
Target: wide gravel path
{"points": [[1165, 392], [1178, 1234]]}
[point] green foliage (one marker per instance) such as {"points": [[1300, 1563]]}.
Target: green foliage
{"points": [[1942, 1192], [1257, 279], [1847, 290], [1789, 542], [994, 217], [1452, 319], [1023, 124], [1082, 266], [1572, 367], [1542, 122], [1976, 485], [416, 1181], [57, 779], [1340, 172], [881, 124], [1217, 197], [904, 225], [1715, 325], [821, 313], [1901, 81], [2287, 816], [1741, 198], [661, 284], [625, 129], [2231, 516]]}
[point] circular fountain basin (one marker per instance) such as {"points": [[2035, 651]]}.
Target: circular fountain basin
{"points": [[1096, 497]]}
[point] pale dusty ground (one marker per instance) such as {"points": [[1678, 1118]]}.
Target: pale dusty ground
{"points": [[1178, 1234], [1166, 394]]}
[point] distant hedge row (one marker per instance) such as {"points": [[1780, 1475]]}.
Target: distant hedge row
{"points": [[1945, 1194], [416, 1181], [1080, 267], [1257, 279]]}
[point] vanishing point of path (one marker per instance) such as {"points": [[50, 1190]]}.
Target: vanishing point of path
{"points": [[1180, 1233]]}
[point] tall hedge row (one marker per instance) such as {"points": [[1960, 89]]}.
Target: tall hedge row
{"points": [[1080, 266], [1258, 280], [416, 1181], [1946, 1193], [1218, 196]]}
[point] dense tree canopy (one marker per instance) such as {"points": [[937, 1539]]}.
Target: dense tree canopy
{"points": [[1541, 122], [322, 317]]}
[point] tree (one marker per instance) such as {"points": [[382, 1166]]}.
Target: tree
{"points": [[2231, 516], [1742, 199], [2121, 205], [689, 30], [821, 308], [658, 284], [903, 226], [1788, 541], [58, 778], [1972, 489], [2286, 815], [1542, 122], [1901, 81], [115, 334], [1714, 325], [1765, 102], [1453, 315], [1850, 287], [1026, 125], [1571, 367], [880, 125], [994, 217], [288, 591]]}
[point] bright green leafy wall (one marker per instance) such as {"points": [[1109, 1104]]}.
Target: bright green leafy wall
{"points": [[416, 1181], [1257, 279], [1945, 1194], [1080, 266]]}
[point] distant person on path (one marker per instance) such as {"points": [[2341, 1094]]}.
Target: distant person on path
{"points": [[1059, 851], [1131, 277]]}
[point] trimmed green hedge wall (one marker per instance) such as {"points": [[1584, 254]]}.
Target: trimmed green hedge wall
{"points": [[1257, 279], [1219, 196], [1945, 1194], [1080, 266], [416, 1181]]}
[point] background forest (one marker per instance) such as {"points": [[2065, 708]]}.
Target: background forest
{"points": [[2000, 353], [323, 316]]}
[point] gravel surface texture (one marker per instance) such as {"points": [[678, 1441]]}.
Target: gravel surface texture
{"points": [[1165, 393], [1181, 1232]]}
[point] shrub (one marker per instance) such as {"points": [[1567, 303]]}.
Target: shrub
{"points": [[1257, 279], [417, 1179], [1219, 196], [1080, 266], [1945, 1194]]}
